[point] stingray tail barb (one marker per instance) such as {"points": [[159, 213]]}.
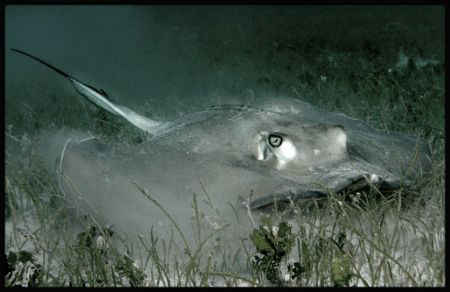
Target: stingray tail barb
{"points": [[100, 99]]}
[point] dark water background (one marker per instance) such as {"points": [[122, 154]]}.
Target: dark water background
{"points": [[164, 61]]}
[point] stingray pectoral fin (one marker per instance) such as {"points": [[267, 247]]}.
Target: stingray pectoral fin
{"points": [[99, 98]]}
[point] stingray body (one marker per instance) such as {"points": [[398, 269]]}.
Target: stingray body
{"points": [[235, 159]]}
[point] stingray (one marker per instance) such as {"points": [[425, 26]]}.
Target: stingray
{"points": [[222, 163]]}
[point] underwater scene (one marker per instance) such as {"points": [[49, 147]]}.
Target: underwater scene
{"points": [[227, 145]]}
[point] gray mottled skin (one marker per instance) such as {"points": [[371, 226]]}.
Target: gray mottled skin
{"points": [[216, 146], [236, 159]]}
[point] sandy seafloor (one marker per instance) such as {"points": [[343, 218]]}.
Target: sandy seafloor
{"points": [[167, 61]]}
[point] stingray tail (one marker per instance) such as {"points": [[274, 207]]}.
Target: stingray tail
{"points": [[100, 99]]}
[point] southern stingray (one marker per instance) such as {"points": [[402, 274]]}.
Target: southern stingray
{"points": [[235, 159]]}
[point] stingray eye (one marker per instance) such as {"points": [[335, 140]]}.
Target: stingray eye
{"points": [[275, 145], [275, 140]]}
